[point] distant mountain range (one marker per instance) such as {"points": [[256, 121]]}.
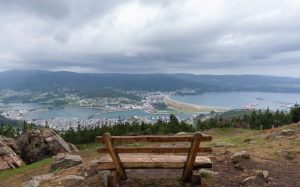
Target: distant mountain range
{"points": [[88, 83]]}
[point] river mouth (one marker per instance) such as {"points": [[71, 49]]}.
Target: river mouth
{"points": [[240, 100]]}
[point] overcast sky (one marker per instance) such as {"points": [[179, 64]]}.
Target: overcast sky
{"points": [[168, 36]]}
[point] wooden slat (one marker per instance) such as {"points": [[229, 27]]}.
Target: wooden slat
{"points": [[133, 139], [115, 156], [147, 161], [155, 150], [188, 169]]}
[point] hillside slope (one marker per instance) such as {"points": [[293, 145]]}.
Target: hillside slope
{"points": [[92, 82], [273, 151]]}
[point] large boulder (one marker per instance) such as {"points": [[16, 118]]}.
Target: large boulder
{"points": [[10, 142], [8, 157], [39, 144]]}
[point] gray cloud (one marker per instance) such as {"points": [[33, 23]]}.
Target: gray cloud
{"points": [[214, 37]]}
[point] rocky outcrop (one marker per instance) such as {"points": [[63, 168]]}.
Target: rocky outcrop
{"points": [[8, 157], [65, 161], [287, 132], [10, 142], [36, 180], [39, 144], [80, 175]]}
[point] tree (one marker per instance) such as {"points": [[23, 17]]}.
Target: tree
{"points": [[295, 113]]}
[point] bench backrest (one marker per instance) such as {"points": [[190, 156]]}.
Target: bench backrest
{"points": [[133, 139], [192, 151]]}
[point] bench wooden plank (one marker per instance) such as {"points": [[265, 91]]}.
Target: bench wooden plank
{"points": [[188, 168], [133, 139], [155, 150], [144, 161], [114, 156]]}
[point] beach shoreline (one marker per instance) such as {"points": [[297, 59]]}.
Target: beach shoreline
{"points": [[188, 107]]}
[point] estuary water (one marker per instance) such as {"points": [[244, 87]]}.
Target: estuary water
{"points": [[243, 100]]}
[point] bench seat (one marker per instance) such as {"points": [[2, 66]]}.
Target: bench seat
{"points": [[141, 161]]}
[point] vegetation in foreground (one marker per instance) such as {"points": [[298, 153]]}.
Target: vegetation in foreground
{"points": [[256, 119], [253, 120]]}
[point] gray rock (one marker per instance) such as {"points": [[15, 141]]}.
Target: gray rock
{"points": [[207, 172], [5, 151], [9, 142], [181, 134], [265, 174], [287, 132], [36, 180], [239, 167], [73, 177], [65, 161], [39, 144], [103, 177], [73, 148], [239, 156], [8, 158], [248, 180], [31, 183]]}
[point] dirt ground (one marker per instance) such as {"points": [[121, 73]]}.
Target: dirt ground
{"points": [[281, 174]]}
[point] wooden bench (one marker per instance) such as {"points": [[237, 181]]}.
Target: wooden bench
{"points": [[122, 158]]}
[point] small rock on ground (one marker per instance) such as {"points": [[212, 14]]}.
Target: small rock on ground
{"points": [[265, 174], [287, 132], [206, 171], [65, 161], [36, 180], [239, 156], [248, 180]]}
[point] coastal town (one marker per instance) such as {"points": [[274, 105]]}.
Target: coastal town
{"points": [[150, 104], [64, 109]]}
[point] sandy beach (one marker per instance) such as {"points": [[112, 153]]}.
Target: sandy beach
{"points": [[187, 107]]}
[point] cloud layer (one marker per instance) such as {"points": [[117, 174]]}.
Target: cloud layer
{"points": [[194, 36]]}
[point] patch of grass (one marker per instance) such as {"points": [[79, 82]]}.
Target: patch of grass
{"points": [[257, 172], [234, 136], [89, 146], [178, 178], [25, 168], [295, 143], [207, 179], [206, 175]]}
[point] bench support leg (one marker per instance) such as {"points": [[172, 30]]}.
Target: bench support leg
{"points": [[115, 156], [196, 178], [188, 169], [112, 179]]}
